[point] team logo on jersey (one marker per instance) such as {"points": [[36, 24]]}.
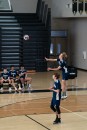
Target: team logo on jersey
{"points": [[54, 86]]}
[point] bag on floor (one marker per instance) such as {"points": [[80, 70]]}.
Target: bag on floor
{"points": [[72, 71]]}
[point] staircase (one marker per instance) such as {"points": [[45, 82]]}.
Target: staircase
{"points": [[14, 50], [34, 49], [11, 41]]}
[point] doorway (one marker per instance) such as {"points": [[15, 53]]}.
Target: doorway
{"points": [[58, 45]]}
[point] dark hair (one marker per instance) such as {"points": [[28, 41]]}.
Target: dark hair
{"points": [[57, 75], [5, 68], [11, 66], [21, 65]]}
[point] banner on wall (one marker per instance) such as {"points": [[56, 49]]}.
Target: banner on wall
{"points": [[5, 5], [86, 6], [80, 6], [74, 6]]}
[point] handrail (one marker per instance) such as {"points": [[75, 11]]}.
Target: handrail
{"points": [[43, 12]]}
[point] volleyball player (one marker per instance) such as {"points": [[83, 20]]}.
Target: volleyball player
{"points": [[5, 79], [62, 66], [56, 99], [24, 78]]}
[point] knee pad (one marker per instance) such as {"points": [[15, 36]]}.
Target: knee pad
{"points": [[58, 109], [53, 108]]}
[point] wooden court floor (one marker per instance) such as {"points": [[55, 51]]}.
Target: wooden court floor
{"points": [[32, 110]]}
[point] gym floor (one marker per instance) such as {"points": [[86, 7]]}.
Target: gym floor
{"points": [[32, 111]]}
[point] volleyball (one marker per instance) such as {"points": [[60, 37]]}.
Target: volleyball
{"points": [[26, 37]]}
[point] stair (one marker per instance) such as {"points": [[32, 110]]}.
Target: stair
{"points": [[10, 44], [34, 49], [14, 50]]}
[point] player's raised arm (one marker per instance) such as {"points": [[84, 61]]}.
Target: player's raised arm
{"points": [[50, 59], [58, 68]]}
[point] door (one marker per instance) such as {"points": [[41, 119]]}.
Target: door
{"points": [[58, 45]]}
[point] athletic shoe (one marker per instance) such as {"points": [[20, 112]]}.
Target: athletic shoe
{"points": [[10, 90], [15, 92], [1, 90], [57, 120], [62, 97], [65, 97], [20, 92], [29, 90], [23, 89]]}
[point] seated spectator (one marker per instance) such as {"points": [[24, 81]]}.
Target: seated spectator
{"points": [[5, 79], [14, 78], [24, 78]]}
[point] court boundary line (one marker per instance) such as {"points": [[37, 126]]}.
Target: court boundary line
{"points": [[73, 112], [38, 122], [22, 101], [75, 88]]}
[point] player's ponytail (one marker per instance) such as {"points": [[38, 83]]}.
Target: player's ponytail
{"points": [[64, 55]]}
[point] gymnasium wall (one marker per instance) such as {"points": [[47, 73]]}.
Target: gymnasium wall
{"points": [[60, 9], [78, 42], [62, 24], [24, 6], [59, 24], [48, 2], [77, 39], [63, 18]]}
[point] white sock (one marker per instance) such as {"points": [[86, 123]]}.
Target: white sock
{"points": [[29, 85], [23, 85]]}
